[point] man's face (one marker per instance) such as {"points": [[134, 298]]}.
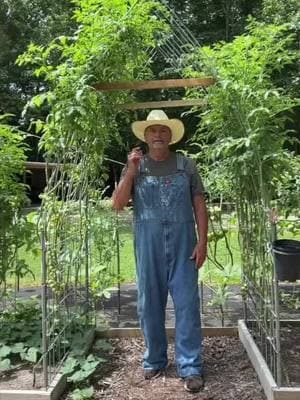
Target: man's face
{"points": [[158, 137]]}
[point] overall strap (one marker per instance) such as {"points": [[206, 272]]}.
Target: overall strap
{"points": [[179, 162], [142, 166]]}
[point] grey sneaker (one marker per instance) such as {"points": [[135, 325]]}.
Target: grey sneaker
{"points": [[193, 383], [152, 373]]}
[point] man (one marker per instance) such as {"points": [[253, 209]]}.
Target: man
{"points": [[167, 200]]}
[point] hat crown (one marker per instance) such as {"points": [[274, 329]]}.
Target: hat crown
{"points": [[157, 115]]}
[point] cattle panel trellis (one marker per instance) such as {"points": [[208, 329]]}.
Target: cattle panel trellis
{"points": [[64, 224], [262, 293], [76, 262]]}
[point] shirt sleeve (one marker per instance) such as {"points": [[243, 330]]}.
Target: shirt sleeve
{"points": [[196, 183]]}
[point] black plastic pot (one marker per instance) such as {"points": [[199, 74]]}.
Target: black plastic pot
{"points": [[286, 254]]}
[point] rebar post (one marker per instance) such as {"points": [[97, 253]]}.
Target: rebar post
{"points": [[44, 310]]}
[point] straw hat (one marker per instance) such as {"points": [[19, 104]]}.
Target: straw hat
{"points": [[159, 117]]}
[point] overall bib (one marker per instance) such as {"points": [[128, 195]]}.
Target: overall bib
{"points": [[164, 234]]}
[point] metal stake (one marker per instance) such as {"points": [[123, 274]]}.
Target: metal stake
{"points": [[44, 310]]}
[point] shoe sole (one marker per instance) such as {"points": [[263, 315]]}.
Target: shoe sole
{"points": [[195, 390], [157, 375]]}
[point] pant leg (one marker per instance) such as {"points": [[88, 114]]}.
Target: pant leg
{"points": [[152, 293], [183, 284]]}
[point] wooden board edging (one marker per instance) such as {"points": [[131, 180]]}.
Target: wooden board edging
{"points": [[287, 393], [54, 392], [113, 333], [56, 388], [264, 375]]}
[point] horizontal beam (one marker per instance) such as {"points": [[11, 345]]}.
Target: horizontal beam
{"points": [[157, 84], [39, 165], [136, 332], [162, 104]]}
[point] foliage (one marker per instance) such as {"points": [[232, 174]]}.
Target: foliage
{"points": [[287, 197], [103, 229], [110, 43], [21, 338], [218, 234], [288, 13], [243, 130], [15, 229], [80, 368], [221, 293], [20, 334], [23, 22], [222, 20], [82, 394], [280, 11]]}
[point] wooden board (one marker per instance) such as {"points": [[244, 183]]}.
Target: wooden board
{"points": [[162, 104], [39, 165], [136, 332], [265, 377], [287, 393], [158, 84]]}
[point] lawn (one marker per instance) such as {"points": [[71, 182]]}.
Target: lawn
{"points": [[209, 273]]}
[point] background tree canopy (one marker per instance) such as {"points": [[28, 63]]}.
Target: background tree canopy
{"points": [[39, 21]]}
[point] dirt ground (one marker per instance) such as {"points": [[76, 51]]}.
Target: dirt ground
{"points": [[228, 374], [290, 353]]}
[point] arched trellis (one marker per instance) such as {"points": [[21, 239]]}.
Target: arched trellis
{"points": [[262, 311], [69, 238], [269, 331]]}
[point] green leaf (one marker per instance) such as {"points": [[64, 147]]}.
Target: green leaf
{"points": [[102, 344], [78, 376], [31, 355], [70, 365], [5, 365], [18, 348], [83, 394], [5, 351]]}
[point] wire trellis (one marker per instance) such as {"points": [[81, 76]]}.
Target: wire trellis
{"points": [[65, 240], [260, 288]]}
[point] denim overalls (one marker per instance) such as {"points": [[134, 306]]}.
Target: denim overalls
{"points": [[164, 230]]}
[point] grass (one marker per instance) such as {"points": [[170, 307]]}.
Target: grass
{"points": [[209, 273], [34, 260]]}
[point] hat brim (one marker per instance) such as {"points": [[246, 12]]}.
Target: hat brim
{"points": [[175, 125]]}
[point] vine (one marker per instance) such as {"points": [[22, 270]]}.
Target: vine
{"points": [[243, 130]]}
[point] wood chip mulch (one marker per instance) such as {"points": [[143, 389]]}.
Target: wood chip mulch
{"points": [[228, 374]]}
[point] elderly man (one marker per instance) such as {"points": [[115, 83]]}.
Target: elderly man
{"points": [[168, 199]]}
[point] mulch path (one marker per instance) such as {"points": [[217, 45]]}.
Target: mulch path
{"points": [[228, 374]]}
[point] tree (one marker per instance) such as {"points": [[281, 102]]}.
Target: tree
{"points": [[23, 22]]}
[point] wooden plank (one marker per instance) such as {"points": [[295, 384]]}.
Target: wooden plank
{"points": [[157, 84], [24, 395], [136, 332], [39, 165], [287, 393], [162, 104], [265, 377], [58, 387], [54, 392]]}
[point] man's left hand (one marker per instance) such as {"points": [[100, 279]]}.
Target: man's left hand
{"points": [[199, 254]]}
